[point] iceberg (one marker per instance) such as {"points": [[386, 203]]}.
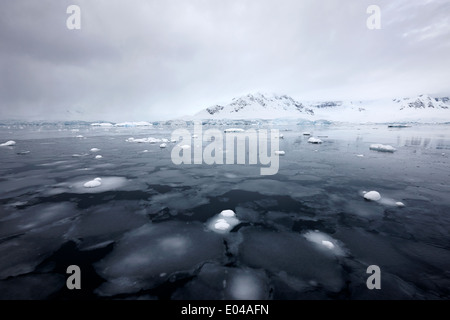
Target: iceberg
{"points": [[93, 183], [223, 222], [8, 143], [314, 140], [95, 150], [372, 196], [382, 148]]}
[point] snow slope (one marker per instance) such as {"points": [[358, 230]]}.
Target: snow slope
{"points": [[424, 109]]}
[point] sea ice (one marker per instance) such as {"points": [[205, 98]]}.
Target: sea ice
{"points": [[8, 143], [216, 282], [97, 182], [382, 148], [223, 222], [280, 153], [399, 204], [142, 255], [98, 157], [325, 242], [372, 196], [95, 150], [144, 140], [230, 130], [314, 140], [162, 145]]}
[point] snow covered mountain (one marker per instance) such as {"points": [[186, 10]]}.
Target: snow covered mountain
{"points": [[423, 108]]}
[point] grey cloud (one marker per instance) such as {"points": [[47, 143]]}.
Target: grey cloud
{"points": [[158, 59]]}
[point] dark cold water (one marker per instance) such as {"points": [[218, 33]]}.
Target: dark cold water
{"points": [[305, 233]]}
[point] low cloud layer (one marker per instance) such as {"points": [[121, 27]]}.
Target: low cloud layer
{"points": [[149, 60]]}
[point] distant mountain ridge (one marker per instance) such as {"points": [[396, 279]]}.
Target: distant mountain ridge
{"points": [[422, 108]]}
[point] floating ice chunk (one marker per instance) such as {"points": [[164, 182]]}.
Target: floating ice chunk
{"points": [[223, 222], [314, 140], [228, 213], [133, 124], [194, 136], [8, 143], [233, 130], [185, 147], [280, 153], [95, 150], [23, 152], [382, 147], [360, 155], [93, 183], [144, 140], [144, 254], [162, 145], [76, 155], [98, 156], [399, 204], [372, 196], [79, 136], [324, 241], [306, 133], [101, 124], [328, 244]]}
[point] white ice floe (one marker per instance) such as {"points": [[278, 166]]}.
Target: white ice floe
{"points": [[185, 147], [280, 153], [324, 241], [134, 124], [79, 136], [223, 222], [372, 196], [233, 130], [162, 145], [399, 204], [95, 150], [98, 157], [382, 147], [154, 252], [360, 155], [8, 143], [97, 182], [314, 140], [144, 140], [101, 124]]}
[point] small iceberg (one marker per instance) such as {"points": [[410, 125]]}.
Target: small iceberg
{"points": [[79, 136], [162, 145], [324, 242], [360, 155], [144, 140], [97, 182], [279, 153], [98, 157], [372, 196], [134, 124], [399, 204], [95, 150], [23, 152], [101, 124], [382, 148], [8, 143], [399, 126], [224, 222], [185, 147], [233, 130], [314, 140]]}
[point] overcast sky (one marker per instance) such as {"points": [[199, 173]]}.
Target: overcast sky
{"points": [[160, 59]]}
